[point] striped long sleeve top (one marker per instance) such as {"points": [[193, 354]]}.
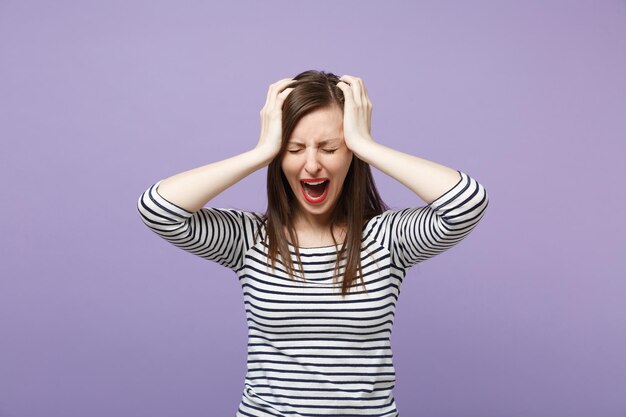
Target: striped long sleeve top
{"points": [[311, 352]]}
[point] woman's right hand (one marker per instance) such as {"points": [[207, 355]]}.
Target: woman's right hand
{"points": [[271, 116]]}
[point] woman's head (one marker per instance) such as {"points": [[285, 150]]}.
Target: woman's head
{"points": [[313, 113], [315, 163]]}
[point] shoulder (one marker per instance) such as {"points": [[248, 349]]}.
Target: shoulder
{"points": [[253, 215], [391, 220], [246, 220], [243, 214], [386, 215]]}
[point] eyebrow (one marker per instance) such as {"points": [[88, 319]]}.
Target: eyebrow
{"points": [[323, 142]]}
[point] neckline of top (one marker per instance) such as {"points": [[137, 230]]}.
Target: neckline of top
{"points": [[314, 247]]}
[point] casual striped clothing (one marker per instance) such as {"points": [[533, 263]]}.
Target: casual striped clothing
{"points": [[310, 351]]}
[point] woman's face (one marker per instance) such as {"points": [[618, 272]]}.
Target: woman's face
{"points": [[316, 152]]}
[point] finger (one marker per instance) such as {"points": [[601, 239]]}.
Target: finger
{"points": [[283, 94], [347, 92], [288, 84], [276, 89], [357, 90], [282, 81], [273, 86], [349, 78], [361, 95], [271, 91]]}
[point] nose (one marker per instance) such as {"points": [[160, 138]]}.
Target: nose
{"points": [[312, 163]]}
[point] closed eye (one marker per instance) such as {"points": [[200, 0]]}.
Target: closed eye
{"points": [[328, 151]]}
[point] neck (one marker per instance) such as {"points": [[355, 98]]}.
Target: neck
{"points": [[318, 227], [310, 223]]}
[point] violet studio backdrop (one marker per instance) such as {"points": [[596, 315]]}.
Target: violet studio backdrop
{"points": [[98, 100]]}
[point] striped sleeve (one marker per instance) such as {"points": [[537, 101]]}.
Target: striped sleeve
{"points": [[415, 234], [215, 234]]}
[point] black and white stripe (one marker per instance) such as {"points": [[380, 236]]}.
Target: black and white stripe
{"points": [[310, 351]]}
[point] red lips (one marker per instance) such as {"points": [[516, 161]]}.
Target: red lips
{"points": [[314, 179], [310, 198]]}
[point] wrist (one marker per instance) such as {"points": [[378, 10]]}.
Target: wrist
{"points": [[364, 149], [265, 153]]}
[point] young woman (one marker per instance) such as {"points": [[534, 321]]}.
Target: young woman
{"points": [[321, 269]]}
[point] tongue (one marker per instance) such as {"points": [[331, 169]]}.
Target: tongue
{"points": [[316, 190]]}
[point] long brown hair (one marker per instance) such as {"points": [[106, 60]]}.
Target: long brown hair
{"points": [[359, 200]]}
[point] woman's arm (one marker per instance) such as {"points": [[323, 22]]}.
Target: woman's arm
{"points": [[456, 202], [427, 179], [414, 234], [193, 189], [174, 207]]}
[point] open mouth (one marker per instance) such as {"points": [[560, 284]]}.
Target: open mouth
{"points": [[316, 191]]}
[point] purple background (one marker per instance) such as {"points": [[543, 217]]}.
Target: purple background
{"points": [[98, 316]]}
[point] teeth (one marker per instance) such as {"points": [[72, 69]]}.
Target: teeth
{"points": [[314, 183]]}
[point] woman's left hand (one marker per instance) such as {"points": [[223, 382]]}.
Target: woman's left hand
{"points": [[357, 112]]}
